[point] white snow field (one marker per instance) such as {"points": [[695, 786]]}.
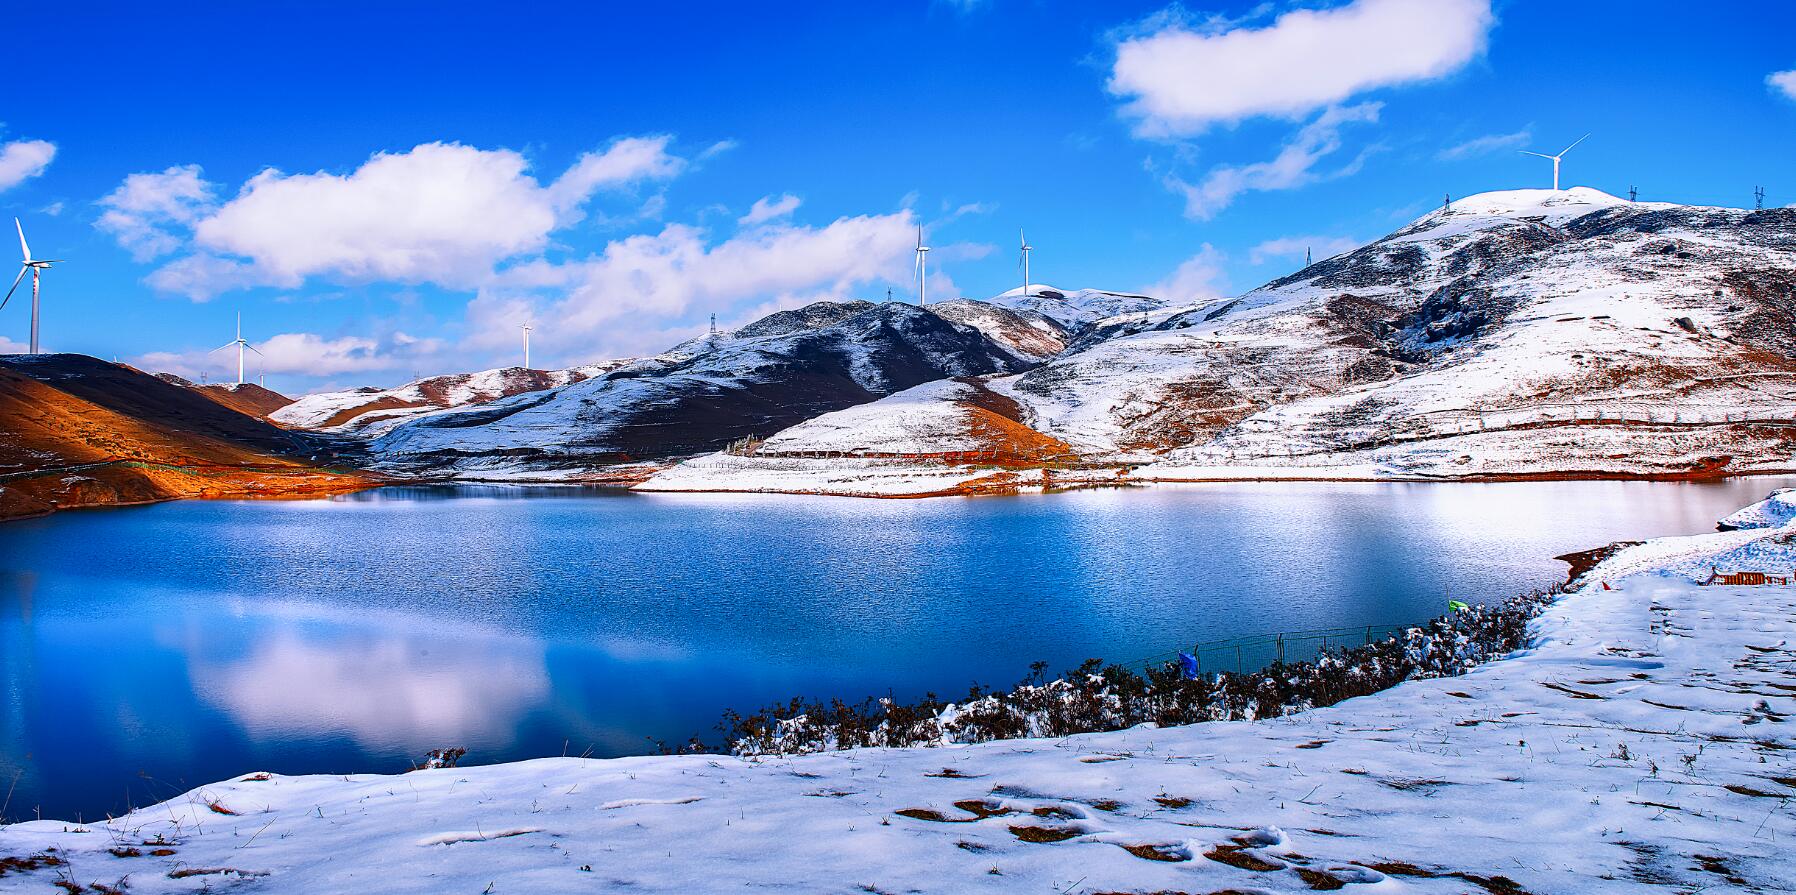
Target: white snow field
{"points": [[1527, 332], [1642, 743]]}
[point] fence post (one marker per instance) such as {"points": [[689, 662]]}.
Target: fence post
{"points": [[1238, 658], [1281, 649], [1368, 635]]}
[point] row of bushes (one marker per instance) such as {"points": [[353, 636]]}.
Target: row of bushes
{"points": [[1097, 697]]}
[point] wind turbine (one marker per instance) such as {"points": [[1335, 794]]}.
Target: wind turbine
{"points": [[241, 344], [1026, 249], [1555, 158], [37, 267], [922, 269], [526, 327]]}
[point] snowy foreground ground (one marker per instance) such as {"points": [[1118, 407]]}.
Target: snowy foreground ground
{"points": [[1642, 744]]}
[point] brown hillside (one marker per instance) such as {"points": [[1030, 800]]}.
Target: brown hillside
{"points": [[77, 431], [248, 398]]}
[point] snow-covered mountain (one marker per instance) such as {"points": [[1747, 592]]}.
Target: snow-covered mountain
{"points": [[1026, 333], [371, 411], [1514, 333], [1076, 308], [703, 394]]}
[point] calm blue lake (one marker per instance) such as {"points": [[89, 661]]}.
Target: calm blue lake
{"points": [[144, 651]]}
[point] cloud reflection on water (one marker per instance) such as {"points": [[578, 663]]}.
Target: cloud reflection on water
{"points": [[384, 681]]}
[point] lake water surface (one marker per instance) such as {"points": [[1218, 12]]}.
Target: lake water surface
{"points": [[145, 651]]}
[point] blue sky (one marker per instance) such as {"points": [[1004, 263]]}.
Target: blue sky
{"points": [[597, 170]]}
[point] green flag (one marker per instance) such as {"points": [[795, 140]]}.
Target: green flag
{"points": [[1456, 606]]}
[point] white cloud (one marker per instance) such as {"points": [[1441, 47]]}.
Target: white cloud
{"points": [[718, 148], [1294, 247], [1180, 80], [305, 353], [1196, 280], [1292, 167], [8, 346], [768, 208], [146, 211], [1485, 145], [439, 213], [202, 277], [22, 160], [1783, 82], [626, 161], [675, 272]]}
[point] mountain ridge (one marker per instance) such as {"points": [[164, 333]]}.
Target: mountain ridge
{"points": [[1670, 329]]}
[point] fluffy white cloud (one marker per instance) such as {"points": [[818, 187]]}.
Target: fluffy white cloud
{"points": [[768, 208], [439, 213], [1196, 280], [1294, 247], [22, 160], [304, 353], [1294, 166], [203, 277], [146, 212], [676, 272], [1180, 80], [1783, 82], [626, 161], [1485, 145]]}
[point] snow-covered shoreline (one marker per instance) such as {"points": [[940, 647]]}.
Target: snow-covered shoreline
{"points": [[1641, 742], [880, 477]]}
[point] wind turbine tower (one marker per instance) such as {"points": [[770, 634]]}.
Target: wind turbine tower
{"points": [[37, 267], [241, 344], [922, 269], [526, 327], [1556, 158], [1026, 249]]}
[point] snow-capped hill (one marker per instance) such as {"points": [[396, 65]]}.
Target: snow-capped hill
{"points": [[1515, 333], [1026, 333], [370, 411], [716, 390], [815, 315], [1076, 308], [1775, 511], [1550, 207]]}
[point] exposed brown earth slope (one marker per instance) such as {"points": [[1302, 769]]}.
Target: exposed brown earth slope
{"points": [[77, 431], [248, 398]]}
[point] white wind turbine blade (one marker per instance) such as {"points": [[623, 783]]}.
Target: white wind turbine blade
{"points": [[1535, 154], [253, 348], [15, 286], [1574, 143], [223, 347], [22, 246]]}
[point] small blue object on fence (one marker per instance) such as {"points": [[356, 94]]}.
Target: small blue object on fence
{"points": [[1188, 667]]}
